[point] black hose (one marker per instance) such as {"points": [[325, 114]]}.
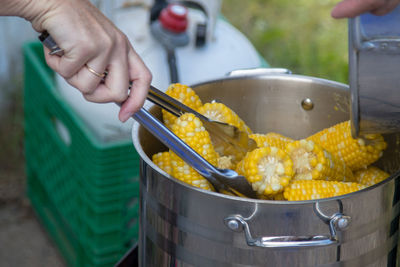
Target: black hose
{"points": [[173, 70]]}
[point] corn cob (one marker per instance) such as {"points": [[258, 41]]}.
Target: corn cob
{"points": [[264, 197], [316, 189], [268, 170], [190, 129], [163, 160], [225, 162], [220, 112], [312, 162], [370, 176], [225, 192], [355, 153], [183, 94], [229, 193], [271, 139], [279, 197]]}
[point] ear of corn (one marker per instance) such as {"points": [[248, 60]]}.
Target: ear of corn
{"points": [[279, 197], [183, 94], [312, 162], [355, 153], [163, 160], [225, 162], [316, 189], [370, 176], [268, 170], [226, 192], [271, 139], [220, 112], [190, 129]]}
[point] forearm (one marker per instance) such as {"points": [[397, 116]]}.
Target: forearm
{"points": [[20, 8], [34, 11]]}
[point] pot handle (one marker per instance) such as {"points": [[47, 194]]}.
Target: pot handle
{"points": [[337, 222], [258, 71]]}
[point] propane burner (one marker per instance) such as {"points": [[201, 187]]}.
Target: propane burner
{"points": [[170, 31]]}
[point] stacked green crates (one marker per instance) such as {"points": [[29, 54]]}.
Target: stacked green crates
{"points": [[85, 192]]}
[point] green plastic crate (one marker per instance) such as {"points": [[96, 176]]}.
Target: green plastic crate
{"points": [[66, 239], [90, 187]]}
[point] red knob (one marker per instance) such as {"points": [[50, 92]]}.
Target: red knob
{"points": [[174, 18]]}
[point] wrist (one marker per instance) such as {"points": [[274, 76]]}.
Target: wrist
{"points": [[33, 11], [13, 7]]}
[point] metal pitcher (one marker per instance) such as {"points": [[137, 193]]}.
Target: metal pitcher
{"points": [[374, 73]]}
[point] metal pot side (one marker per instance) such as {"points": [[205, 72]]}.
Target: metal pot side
{"points": [[186, 226]]}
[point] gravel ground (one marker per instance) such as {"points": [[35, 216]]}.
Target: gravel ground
{"points": [[23, 241]]}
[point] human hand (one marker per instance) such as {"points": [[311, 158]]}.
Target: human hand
{"points": [[92, 44], [353, 8]]}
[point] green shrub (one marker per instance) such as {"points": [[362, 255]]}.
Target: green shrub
{"points": [[298, 35]]}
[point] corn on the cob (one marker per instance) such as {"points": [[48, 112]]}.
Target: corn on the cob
{"points": [[271, 139], [183, 94], [316, 189], [370, 176], [268, 170], [355, 153], [264, 197], [312, 162], [231, 193], [279, 197], [222, 113], [225, 162], [190, 129], [163, 160], [225, 192]]}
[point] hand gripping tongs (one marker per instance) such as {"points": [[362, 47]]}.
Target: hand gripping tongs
{"points": [[221, 133]]}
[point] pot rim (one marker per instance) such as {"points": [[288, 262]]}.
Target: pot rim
{"points": [[144, 157], [280, 76]]}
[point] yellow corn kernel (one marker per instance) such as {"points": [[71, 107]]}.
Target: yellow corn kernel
{"points": [[268, 170], [183, 94], [220, 112], [271, 139], [312, 162], [316, 189], [370, 176], [190, 129], [163, 160], [355, 153]]}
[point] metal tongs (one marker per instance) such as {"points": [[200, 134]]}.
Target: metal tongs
{"points": [[225, 135], [222, 179], [227, 139]]}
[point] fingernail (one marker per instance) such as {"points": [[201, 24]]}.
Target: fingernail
{"points": [[125, 116]]}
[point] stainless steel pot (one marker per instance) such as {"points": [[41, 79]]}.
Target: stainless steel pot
{"points": [[186, 226]]}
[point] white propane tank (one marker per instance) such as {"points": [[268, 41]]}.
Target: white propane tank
{"points": [[227, 50]]}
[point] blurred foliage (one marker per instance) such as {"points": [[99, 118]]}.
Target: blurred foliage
{"points": [[299, 35]]}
